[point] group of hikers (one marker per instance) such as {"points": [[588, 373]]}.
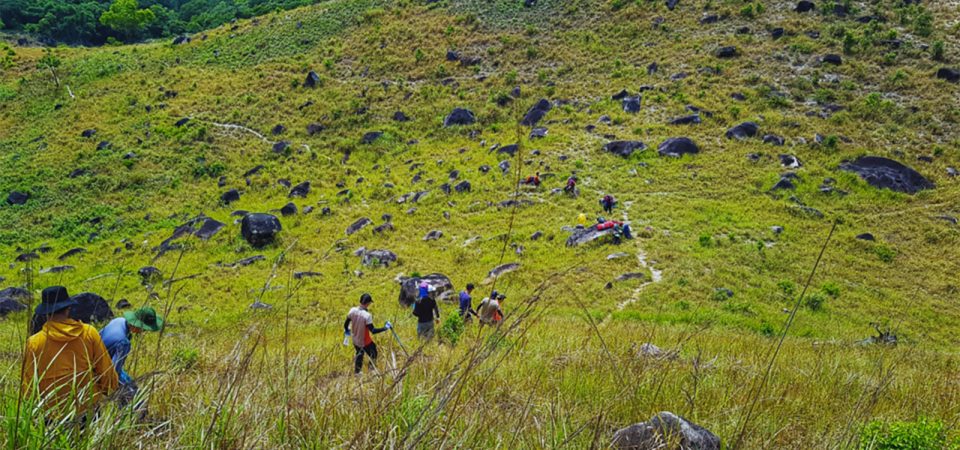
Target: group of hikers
{"points": [[570, 188], [358, 327], [69, 364]]}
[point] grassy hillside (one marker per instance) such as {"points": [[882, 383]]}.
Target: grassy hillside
{"points": [[564, 370]]}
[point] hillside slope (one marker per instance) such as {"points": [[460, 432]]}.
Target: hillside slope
{"points": [[175, 126]]}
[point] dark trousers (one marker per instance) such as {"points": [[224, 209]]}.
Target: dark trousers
{"points": [[370, 350]]}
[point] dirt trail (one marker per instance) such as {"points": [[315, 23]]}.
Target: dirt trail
{"points": [[655, 275]]}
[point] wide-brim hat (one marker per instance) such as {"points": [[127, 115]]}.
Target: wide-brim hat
{"points": [[144, 318], [53, 299]]}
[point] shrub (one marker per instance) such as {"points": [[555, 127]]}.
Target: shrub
{"points": [[920, 434], [885, 253], [185, 358], [451, 329], [814, 302], [787, 287], [830, 288], [937, 51], [706, 241]]}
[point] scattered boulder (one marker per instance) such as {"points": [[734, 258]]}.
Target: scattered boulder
{"points": [[503, 269], [773, 139], [776, 229], [243, 262], [371, 137], [88, 133], [302, 275], [459, 116], [951, 75], [314, 128], [230, 196], [72, 252], [805, 6], [376, 258], [790, 161], [620, 95], [440, 288], [358, 225], [149, 275], [832, 59], [280, 147], [182, 39], [693, 119], [785, 183], [776, 33], [17, 198], [887, 173], [312, 80], [866, 237], [260, 229], [9, 305], [722, 293], [536, 113], [509, 149], [463, 186], [677, 147], [301, 190], [453, 55], [103, 145], [743, 131], [290, 209], [433, 235], [726, 52], [27, 257], [631, 104], [663, 429], [278, 130], [182, 122], [123, 304], [585, 235], [624, 148], [91, 308], [399, 116], [671, 4]]}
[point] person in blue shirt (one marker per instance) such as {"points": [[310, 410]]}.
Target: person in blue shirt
{"points": [[466, 302], [116, 337]]}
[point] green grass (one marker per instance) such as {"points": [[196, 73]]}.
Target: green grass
{"points": [[709, 219]]}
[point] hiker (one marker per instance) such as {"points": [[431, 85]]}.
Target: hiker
{"points": [[571, 187], [424, 290], [359, 324], [66, 363], [116, 338], [427, 313], [608, 202], [489, 309], [466, 302], [534, 180]]}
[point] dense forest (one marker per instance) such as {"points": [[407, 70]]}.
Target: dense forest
{"points": [[95, 22]]}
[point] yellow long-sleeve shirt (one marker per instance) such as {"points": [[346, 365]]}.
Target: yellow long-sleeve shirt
{"points": [[68, 365]]}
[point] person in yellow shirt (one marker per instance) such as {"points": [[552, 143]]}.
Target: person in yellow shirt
{"points": [[65, 365]]}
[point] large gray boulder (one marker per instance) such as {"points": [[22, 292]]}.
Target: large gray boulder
{"points": [[887, 173], [582, 236], [260, 229], [665, 430], [91, 308], [441, 288]]}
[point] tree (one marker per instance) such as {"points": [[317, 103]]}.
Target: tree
{"points": [[125, 18], [50, 61]]}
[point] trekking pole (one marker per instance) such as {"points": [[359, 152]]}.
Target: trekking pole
{"points": [[395, 336]]}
